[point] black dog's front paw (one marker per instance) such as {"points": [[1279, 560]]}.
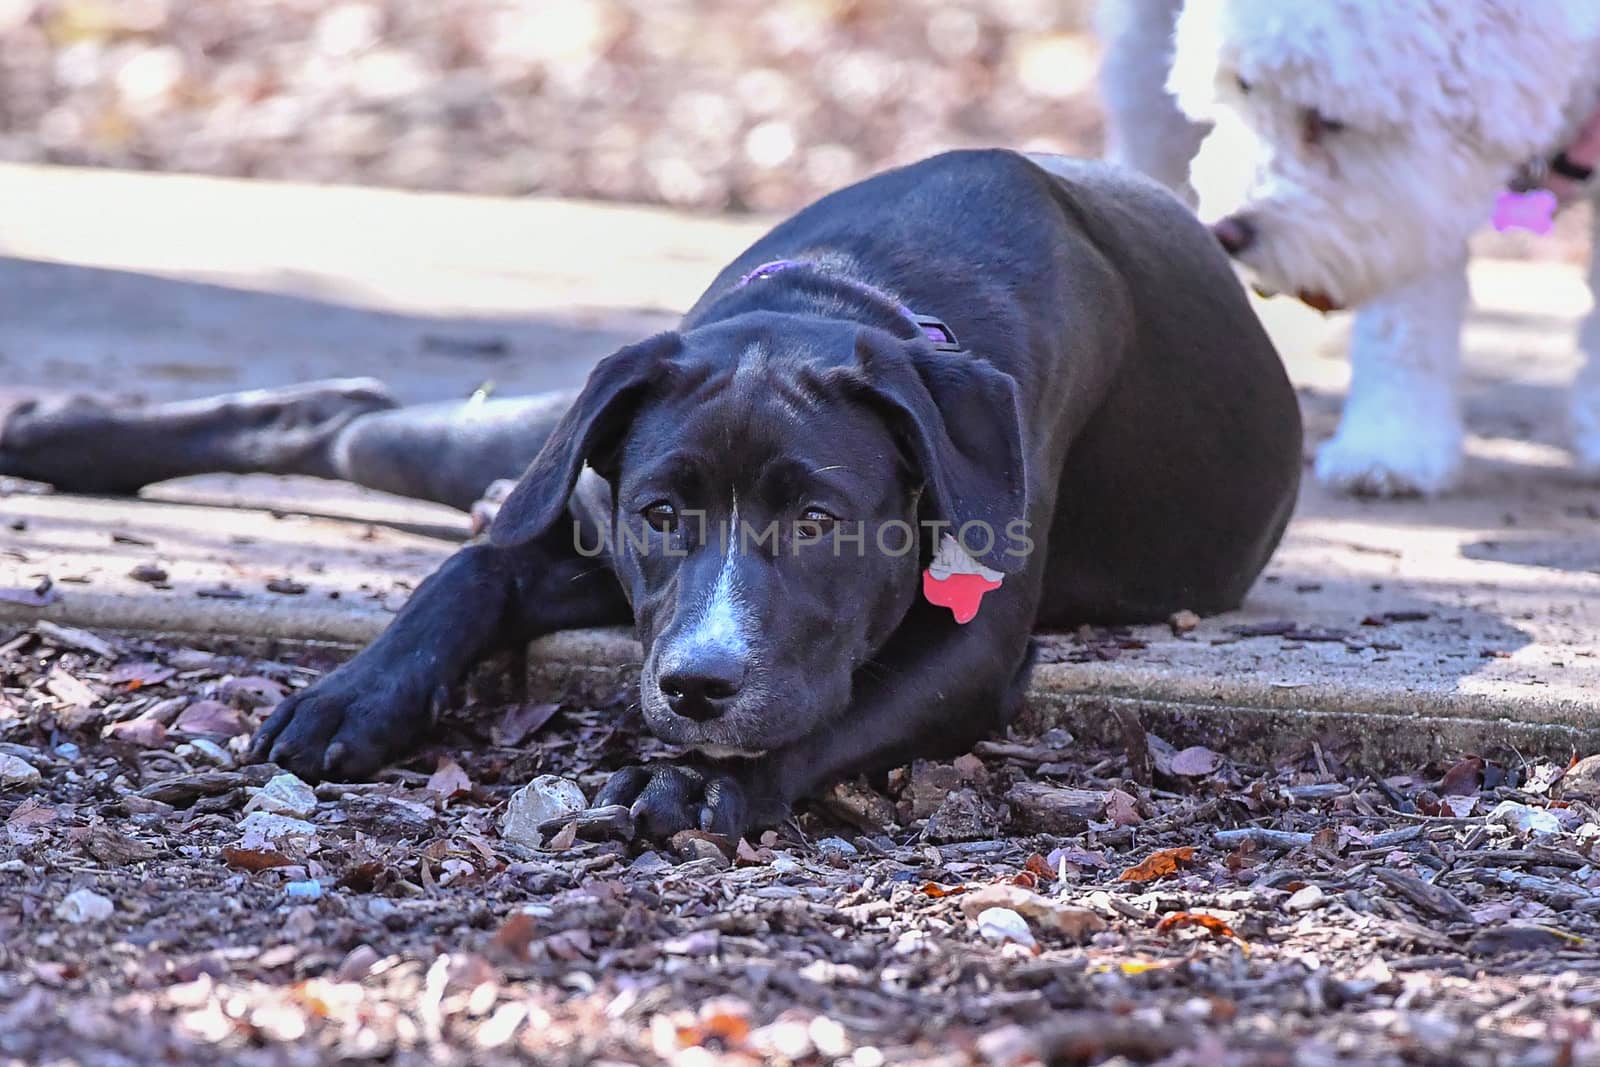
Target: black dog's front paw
{"points": [[667, 797], [347, 725]]}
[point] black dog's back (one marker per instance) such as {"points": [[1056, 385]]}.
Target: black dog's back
{"points": [[956, 236], [1168, 431], [1178, 489]]}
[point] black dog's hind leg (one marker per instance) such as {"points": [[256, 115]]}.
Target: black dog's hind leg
{"points": [[449, 453], [96, 444], [381, 703], [349, 429]]}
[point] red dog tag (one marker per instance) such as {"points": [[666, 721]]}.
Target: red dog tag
{"points": [[956, 581]]}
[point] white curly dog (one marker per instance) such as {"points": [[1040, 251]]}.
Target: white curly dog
{"points": [[1344, 151]]}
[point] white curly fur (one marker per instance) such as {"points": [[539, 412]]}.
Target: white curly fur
{"points": [[1433, 105]]}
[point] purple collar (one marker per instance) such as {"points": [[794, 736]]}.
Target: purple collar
{"points": [[942, 337]]}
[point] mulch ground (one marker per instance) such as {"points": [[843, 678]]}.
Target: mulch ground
{"points": [[1039, 900], [715, 104]]}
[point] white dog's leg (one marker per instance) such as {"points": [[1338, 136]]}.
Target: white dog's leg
{"points": [[1585, 410], [1144, 128], [1401, 432]]}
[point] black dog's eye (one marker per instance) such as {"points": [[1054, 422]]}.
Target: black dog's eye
{"points": [[1244, 86], [813, 524], [661, 516]]}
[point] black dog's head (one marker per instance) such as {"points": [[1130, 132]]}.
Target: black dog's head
{"points": [[772, 480]]}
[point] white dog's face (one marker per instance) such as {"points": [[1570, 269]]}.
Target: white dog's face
{"points": [[1331, 212], [1357, 144]]}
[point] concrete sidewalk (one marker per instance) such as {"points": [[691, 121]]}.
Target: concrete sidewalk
{"points": [[1484, 608]]}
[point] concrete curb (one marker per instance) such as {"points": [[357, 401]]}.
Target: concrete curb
{"points": [[248, 619], [1247, 719]]}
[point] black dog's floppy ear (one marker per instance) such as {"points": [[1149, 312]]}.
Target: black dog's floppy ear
{"points": [[960, 420], [593, 422]]}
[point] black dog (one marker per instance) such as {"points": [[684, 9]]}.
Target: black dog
{"points": [[1038, 380]]}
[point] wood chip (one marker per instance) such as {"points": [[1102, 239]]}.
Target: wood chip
{"points": [[1433, 899], [72, 637]]}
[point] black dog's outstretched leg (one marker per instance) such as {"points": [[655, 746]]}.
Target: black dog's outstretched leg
{"points": [[931, 702], [350, 429], [380, 704], [93, 444]]}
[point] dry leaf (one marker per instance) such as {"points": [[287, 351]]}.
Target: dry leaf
{"points": [[514, 935], [254, 859], [1209, 923], [563, 838], [252, 691], [1075, 857], [1195, 761], [1462, 779], [569, 945], [32, 812], [723, 1021], [1135, 967], [147, 733], [361, 877], [213, 718], [1158, 865], [1122, 808], [449, 780], [24, 826], [934, 889], [517, 724], [138, 675], [116, 847], [747, 855]]}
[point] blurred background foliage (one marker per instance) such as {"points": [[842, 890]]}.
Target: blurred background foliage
{"points": [[708, 104]]}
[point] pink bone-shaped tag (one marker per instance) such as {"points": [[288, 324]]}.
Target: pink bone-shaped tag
{"points": [[956, 581], [1534, 211]]}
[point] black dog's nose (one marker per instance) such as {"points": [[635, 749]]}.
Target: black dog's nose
{"points": [[705, 686], [1235, 233]]}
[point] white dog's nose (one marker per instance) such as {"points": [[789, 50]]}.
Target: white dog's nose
{"points": [[1236, 233]]}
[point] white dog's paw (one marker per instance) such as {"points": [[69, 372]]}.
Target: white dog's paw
{"points": [[1391, 457], [488, 505], [1585, 417], [1586, 452]]}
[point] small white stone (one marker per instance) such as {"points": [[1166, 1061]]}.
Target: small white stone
{"points": [[1524, 819], [310, 889], [1002, 925], [829, 1037], [84, 906], [16, 772], [285, 794], [789, 1039], [837, 844], [260, 827], [546, 797], [212, 752], [1306, 898]]}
